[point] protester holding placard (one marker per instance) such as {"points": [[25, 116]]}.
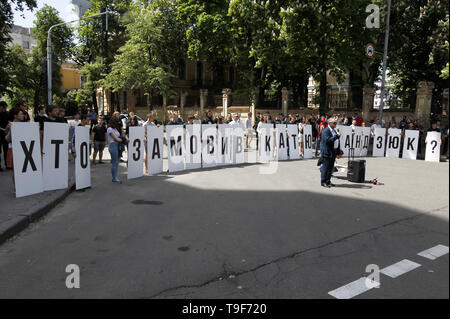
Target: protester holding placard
{"points": [[209, 118], [248, 130], [175, 120], [114, 139], [4, 119], [17, 115], [84, 121]]}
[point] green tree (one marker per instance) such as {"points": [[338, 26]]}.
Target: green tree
{"points": [[62, 43], [6, 22], [418, 46], [22, 76], [149, 59], [97, 47]]}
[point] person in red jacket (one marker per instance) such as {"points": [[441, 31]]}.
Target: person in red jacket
{"points": [[323, 124]]}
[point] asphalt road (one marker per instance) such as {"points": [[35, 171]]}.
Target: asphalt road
{"points": [[235, 233]]}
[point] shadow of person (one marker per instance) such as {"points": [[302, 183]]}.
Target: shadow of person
{"points": [[360, 186]]}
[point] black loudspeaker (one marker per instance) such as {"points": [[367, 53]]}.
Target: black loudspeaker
{"points": [[356, 171]]}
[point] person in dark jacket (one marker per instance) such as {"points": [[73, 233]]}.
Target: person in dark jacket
{"points": [[329, 146]]}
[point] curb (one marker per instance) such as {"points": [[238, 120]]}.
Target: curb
{"points": [[22, 222]]}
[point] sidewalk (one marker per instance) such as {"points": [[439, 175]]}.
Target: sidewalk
{"points": [[17, 213]]}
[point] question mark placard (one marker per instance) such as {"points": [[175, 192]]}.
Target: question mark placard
{"points": [[433, 150]]}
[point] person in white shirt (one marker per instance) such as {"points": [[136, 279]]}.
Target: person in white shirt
{"points": [[374, 126], [76, 120], [248, 129], [236, 122]]}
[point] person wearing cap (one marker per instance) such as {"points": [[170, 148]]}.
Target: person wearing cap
{"points": [[329, 147]]}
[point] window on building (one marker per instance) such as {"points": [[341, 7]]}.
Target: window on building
{"points": [[182, 69], [26, 45]]}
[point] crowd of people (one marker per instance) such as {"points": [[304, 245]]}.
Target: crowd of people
{"points": [[112, 130]]}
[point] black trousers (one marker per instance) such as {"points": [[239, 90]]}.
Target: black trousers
{"points": [[3, 147], [327, 169]]}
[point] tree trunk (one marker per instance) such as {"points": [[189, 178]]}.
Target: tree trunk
{"points": [[323, 107], [296, 85], [94, 101], [148, 101]]}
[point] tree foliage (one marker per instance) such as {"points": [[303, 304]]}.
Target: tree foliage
{"points": [[6, 22], [150, 57], [418, 46]]}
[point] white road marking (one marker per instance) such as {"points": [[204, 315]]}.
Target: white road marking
{"points": [[352, 289], [399, 268], [434, 252]]}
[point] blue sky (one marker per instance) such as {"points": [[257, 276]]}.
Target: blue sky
{"points": [[63, 6]]}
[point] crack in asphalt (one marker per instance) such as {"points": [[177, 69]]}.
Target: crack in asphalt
{"points": [[224, 274]]}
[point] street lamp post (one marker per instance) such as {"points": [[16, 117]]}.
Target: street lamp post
{"points": [[385, 57], [49, 49]]}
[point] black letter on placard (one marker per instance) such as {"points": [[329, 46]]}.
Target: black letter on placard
{"points": [[268, 143], [57, 143], [393, 142], [238, 144], [410, 143], [28, 156], [380, 141], [366, 141], [155, 150], [84, 155], [175, 147], [294, 136], [308, 141], [210, 144], [282, 140], [193, 144], [138, 150], [224, 145], [358, 141], [347, 142]]}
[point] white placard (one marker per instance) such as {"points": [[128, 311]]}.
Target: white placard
{"points": [[136, 149], [410, 144], [238, 145], [433, 149], [379, 142], [393, 142], [365, 141], [26, 149], [209, 145], [55, 160], [358, 140], [82, 160], [193, 146], [282, 141], [307, 140], [175, 147], [224, 144], [294, 151], [266, 143], [346, 139], [155, 149]]}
